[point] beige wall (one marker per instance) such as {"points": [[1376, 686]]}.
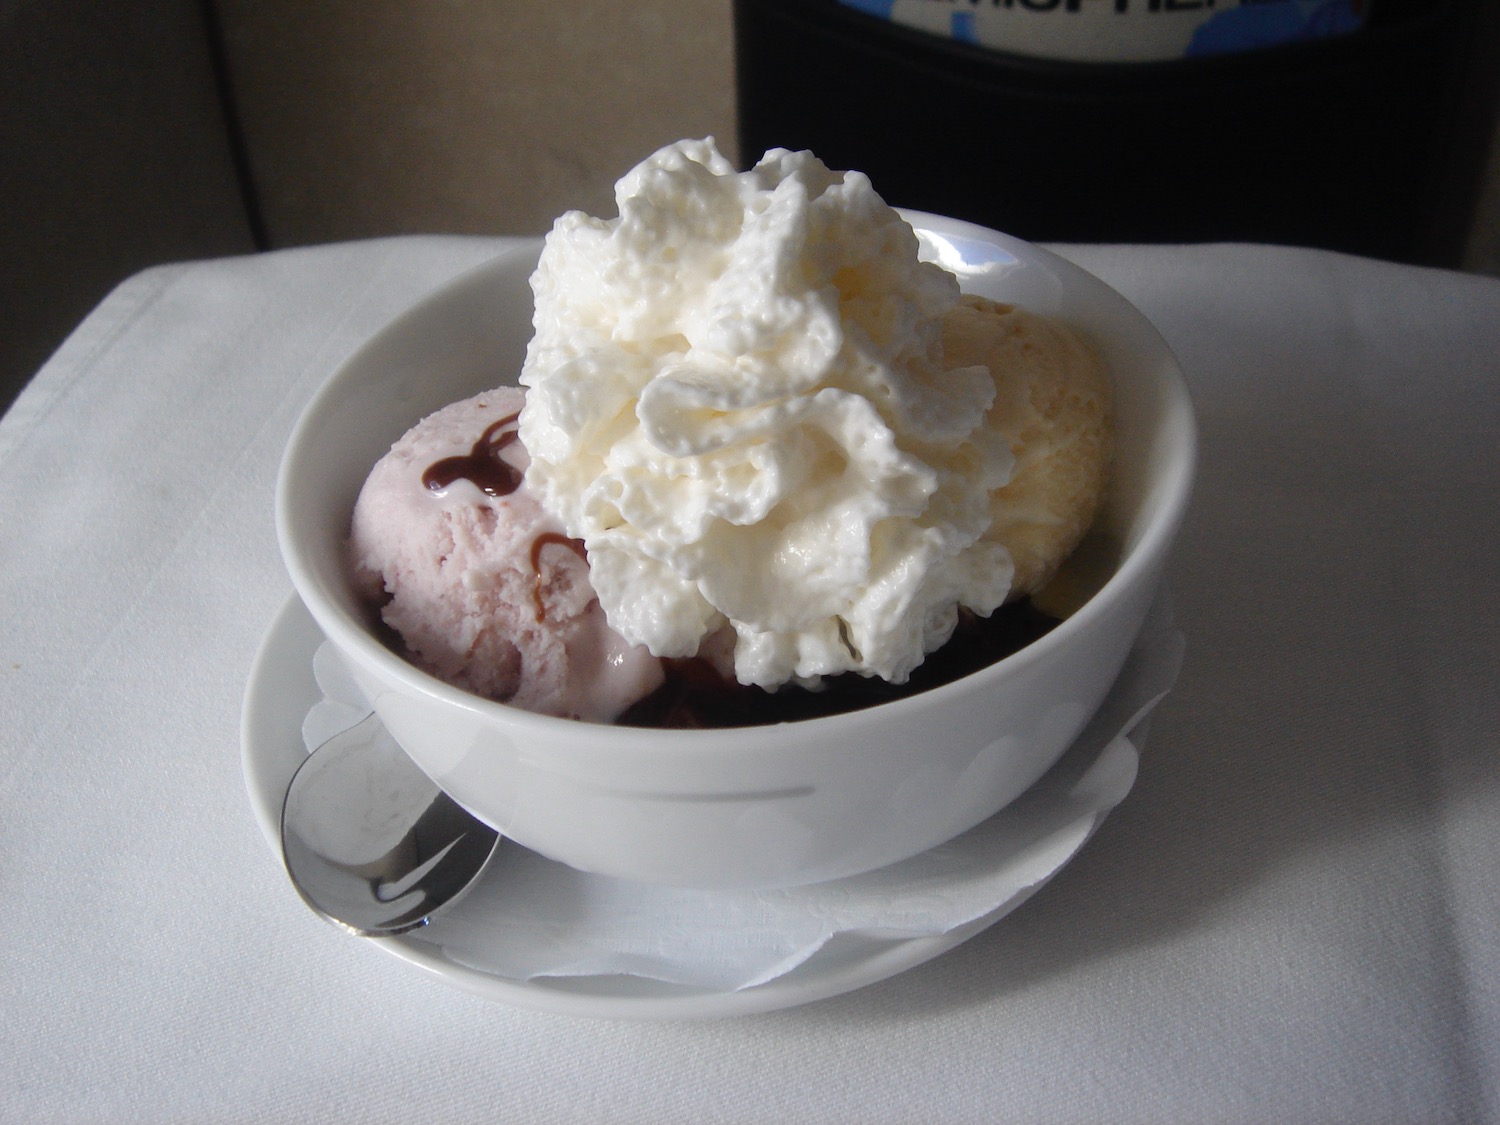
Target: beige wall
{"points": [[482, 116], [362, 118]]}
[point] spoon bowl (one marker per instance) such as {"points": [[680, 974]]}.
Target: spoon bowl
{"points": [[370, 842]]}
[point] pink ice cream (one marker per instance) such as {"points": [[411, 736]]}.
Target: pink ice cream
{"points": [[483, 585]]}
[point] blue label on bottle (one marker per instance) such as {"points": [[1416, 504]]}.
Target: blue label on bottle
{"points": [[1123, 30]]}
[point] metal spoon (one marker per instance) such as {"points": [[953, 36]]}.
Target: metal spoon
{"points": [[370, 842]]}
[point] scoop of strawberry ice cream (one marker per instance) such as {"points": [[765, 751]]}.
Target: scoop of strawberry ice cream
{"points": [[483, 585]]}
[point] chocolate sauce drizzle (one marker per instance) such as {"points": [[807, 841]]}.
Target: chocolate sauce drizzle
{"points": [[482, 465], [538, 545]]}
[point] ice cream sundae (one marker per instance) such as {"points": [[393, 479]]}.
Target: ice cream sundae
{"points": [[765, 461]]}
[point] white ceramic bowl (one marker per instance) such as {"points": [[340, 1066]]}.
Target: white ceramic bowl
{"points": [[773, 805]]}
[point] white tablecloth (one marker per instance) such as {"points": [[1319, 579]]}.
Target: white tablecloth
{"points": [[1295, 916]]}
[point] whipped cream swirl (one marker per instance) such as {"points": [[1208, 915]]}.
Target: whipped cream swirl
{"points": [[737, 398]]}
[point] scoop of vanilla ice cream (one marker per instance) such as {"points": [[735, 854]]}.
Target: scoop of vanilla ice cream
{"points": [[1054, 406], [740, 399], [479, 580]]}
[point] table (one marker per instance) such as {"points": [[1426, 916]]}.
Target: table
{"points": [[1295, 915]]}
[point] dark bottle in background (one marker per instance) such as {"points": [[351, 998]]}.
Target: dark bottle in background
{"points": [[1369, 138]]}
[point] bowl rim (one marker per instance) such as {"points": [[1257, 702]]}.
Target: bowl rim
{"points": [[1177, 425]]}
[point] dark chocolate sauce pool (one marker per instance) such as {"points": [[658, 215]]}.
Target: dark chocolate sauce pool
{"points": [[696, 696], [482, 465]]}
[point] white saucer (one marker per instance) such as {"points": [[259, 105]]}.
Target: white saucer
{"points": [[282, 689]]}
